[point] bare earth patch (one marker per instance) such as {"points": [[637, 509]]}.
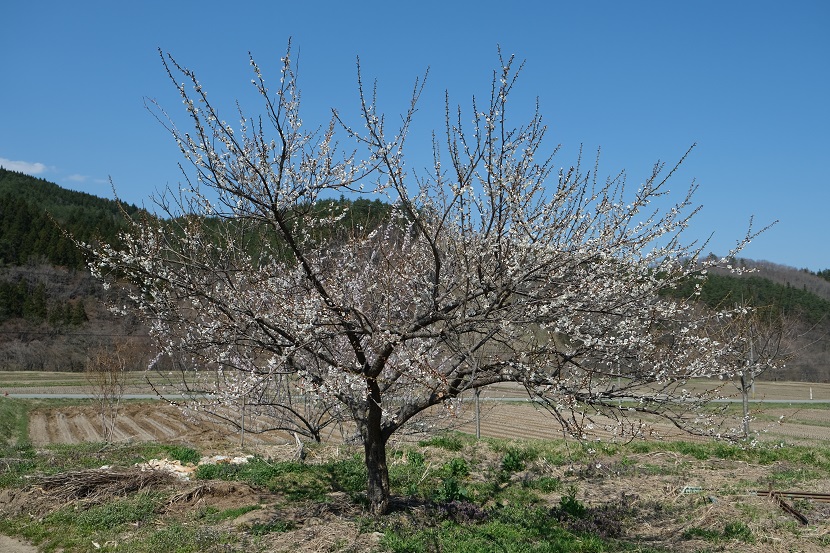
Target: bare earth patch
{"points": [[706, 495], [11, 545]]}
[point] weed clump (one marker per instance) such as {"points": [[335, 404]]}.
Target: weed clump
{"points": [[183, 454], [449, 442]]}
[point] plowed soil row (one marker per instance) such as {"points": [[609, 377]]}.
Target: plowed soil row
{"points": [[145, 421], [157, 421]]}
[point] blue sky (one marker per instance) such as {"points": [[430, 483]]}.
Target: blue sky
{"points": [[749, 82]]}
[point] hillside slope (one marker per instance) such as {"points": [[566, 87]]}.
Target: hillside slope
{"points": [[52, 312]]}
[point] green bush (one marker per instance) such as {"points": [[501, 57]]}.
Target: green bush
{"points": [[457, 467], [415, 459], [450, 489], [570, 505]]}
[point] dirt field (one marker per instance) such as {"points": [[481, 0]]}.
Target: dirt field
{"points": [[148, 420], [143, 421]]}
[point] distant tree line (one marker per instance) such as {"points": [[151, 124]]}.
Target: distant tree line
{"points": [[719, 289], [798, 296], [36, 214]]}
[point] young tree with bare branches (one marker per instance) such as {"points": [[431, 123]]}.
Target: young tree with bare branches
{"points": [[492, 266], [106, 371], [757, 336]]}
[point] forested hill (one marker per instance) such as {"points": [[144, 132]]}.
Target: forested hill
{"points": [[29, 211], [51, 310], [801, 279], [788, 296], [799, 295]]}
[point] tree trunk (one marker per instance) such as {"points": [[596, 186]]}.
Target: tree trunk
{"points": [[374, 444]]}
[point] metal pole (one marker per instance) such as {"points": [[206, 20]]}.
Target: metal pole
{"points": [[478, 414], [242, 425]]}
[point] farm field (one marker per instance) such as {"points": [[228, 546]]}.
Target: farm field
{"points": [[40, 382], [784, 413], [156, 421]]}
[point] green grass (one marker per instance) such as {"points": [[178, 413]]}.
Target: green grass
{"points": [[183, 454], [14, 422], [451, 441], [493, 536], [182, 538], [545, 484], [789, 476], [765, 454], [297, 481], [730, 531], [72, 529], [515, 459], [17, 456], [511, 528], [214, 515]]}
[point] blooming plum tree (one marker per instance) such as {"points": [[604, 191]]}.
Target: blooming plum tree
{"points": [[490, 267]]}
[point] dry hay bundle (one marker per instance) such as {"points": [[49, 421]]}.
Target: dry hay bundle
{"points": [[97, 484]]}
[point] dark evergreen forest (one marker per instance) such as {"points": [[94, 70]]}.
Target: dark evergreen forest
{"points": [[36, 214]]}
